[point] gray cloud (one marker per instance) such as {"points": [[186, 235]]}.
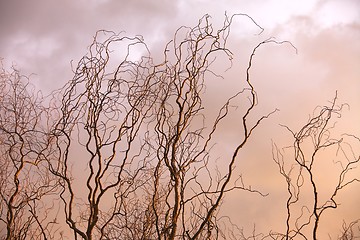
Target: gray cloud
{"points": [[43, 36]]}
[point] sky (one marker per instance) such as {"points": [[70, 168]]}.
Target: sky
{"points": [[42, 37]]}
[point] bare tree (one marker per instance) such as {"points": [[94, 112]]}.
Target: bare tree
{"points": [[25, 149], [183, 180], [138, 134], [125, 148], [351, 230], [307, 201]]}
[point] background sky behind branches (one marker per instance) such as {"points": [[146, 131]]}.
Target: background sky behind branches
{"points": [[41, 37]]}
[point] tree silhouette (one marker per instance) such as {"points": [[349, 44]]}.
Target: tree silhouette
{"points": [[25, 148], [145, 142], [125, 149], [310, 144]]}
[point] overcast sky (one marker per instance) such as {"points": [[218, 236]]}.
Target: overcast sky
{"points": [[42, 37]]}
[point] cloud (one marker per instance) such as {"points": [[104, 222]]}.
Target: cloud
{"points": [[328, 61], [43, 36]]}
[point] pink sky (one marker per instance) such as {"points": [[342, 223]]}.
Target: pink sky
{"points": [[41, 37]]}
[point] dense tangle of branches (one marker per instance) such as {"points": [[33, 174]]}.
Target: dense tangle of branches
{"points": [[123, 150]]}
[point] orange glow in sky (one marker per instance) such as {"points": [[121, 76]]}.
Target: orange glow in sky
{"points": [[42, 37]]}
